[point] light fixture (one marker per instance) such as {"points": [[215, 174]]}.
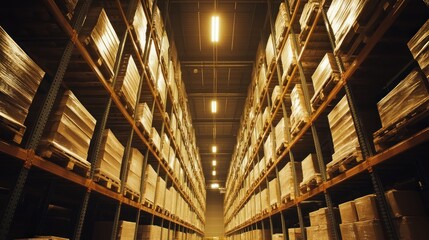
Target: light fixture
{"points": [[214, 162], [215, 28], [214, 106], [214, 149], [214, 172], [214, 185]]}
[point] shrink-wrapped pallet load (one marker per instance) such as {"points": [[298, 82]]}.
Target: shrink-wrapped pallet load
{"points": [[19, 80], [160, 193], [129, 85], [269, 52], [108, 166], [287, 183], [161, 87], [281, 139], [262, 79], [299, 114], [268, 150], [168, 201], [103, 230], [288, 59], [165, 147], [140, 26], [155, 139], [144, 117], [158, 24], [266, 116], [307, 18], [419, 48], [149, 185], [274, 190], [310, 172], [344, 136], [275, 96], [135, 171], [149, 232], [165, 47], [153, 63], [280, 24], [69, 131], [265, 202], [324, 77]]}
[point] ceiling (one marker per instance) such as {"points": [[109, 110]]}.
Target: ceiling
{"points": [[242, 23]]}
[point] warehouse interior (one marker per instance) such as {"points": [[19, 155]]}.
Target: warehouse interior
{"points": [[214, 119]]}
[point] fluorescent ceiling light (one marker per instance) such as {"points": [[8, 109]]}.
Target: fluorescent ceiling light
{"points": [[214, 149], [214, 172], [214, 185], [214, 106], [214, 162], [215, 28]]}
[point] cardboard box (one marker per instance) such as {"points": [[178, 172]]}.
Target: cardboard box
{"points": [[366, 208], [369, 230], [321, 216], [295, 234], [348, 212], [412, 228], [348, 231], [405, 203]]}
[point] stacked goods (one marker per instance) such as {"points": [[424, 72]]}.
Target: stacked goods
{"points": [[144, 116], [277, 236], [369, 226], [149, 184], [280, 24], [321, 228], [173, 124], [419, 48], [310, 173], [148, 232], [165, 147], [160, 193], [344, 15], [307, 18], [299, 114], [262, 80], [325, 75], [295, 234], [409, 212], [165, 46], [135, 171], [103, 230], [266, 116], [172, 83], [161, 87], [153, 63], [269, 52], [288, 59], [172, 159], [168, 200], [19, 79], [280, 134], [106, 42], [287, 183], [275, 96], [265, 206], [173, 194], [343, 132], [69, 131], [261, 166], [268, 150], [129, 86], [109, 162], [140, 26], [348, 218], [274, 190], [155, 139], [158, 22], [259, 125]]}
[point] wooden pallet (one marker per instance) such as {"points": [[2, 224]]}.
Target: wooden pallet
{"points": [[312, 183], [324, 91], [143, 130], [349, 161], [288, 198], [281, 148], [159, 209], [298, 126], [106, 181], [148, 204], [130, 194], [64, 159], [11, 131], [127, 105], [98, 60], [403, 128], [274, 206]]}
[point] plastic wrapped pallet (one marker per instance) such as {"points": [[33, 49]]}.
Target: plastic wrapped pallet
{"points": [[274, 192], [103, 230], [266, 115], [135, 171], [160, 193], [105, 40], [268, 150], [265, 202], [144, 116], [420, 49], [262, 166], [262, 80], [129, 86], [307, 17], [412, 228], [161, 87], [406, 97], [399, 203], [348, 212], [158, 23], [275, 96], [369, 230], [140, 26], [326, 71], [149, 184], [280, 24], [288, 58], [310, 168], [69, 130], [168, 200], [287, 184], [165, 47], [109, 163], [299, 114], [349, 231], [281, 140], [295, 234], [155, 139], [153, 62], [343, 132], [165, 147], [19, 79], [366, 207], [269, 52], [149, 232]]}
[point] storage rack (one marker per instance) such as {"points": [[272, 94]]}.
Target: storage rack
{"points": [[96, 94], [392, 16]]}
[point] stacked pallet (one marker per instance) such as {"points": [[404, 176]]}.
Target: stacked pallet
{"points": [[165, 147], [158, 23], [108, 166], [288, 59], [269, 52], [307, 18], [280, 24], [299, 114], [265, 202], [360, 219], [324, 78], [281, 139], [160, 193], [129, 85], [69, 132], [168, 201], [144, 117], [103, 230], [266, 116], [344, 136], [275, 96], [153, 63], [161, 87], [134, 175], [155, 140], [310, 173], [321, 228], [165, 47], [420, 49], [287, 183], [268, 151], [274, 190], [140, 26], [149, 185], [19, 79]]}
